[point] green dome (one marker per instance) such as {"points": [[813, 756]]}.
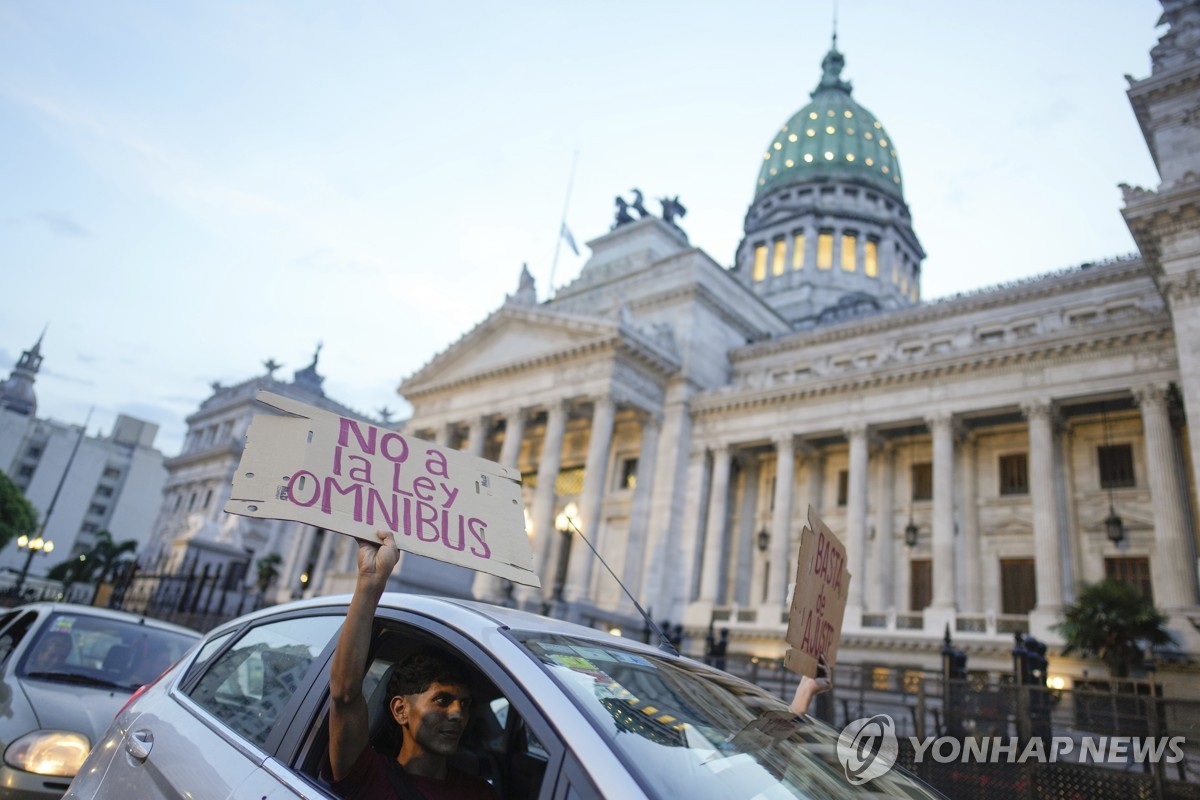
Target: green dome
{"points": [[832, 137]]}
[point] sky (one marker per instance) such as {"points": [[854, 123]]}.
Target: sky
{"points": [[191, 188]]}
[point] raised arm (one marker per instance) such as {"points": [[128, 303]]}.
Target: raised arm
{"points": [[808, 688], [349, 725]]}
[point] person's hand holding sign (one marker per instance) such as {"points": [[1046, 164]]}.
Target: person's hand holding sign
{"points": [[808, 688]]}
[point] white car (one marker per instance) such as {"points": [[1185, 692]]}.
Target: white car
{"points": [[65, 671], [560, 711]]}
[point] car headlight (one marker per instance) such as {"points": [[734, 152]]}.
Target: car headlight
{"points": [[57, 753]]}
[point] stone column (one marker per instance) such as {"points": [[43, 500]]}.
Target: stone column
{"points": [[942, 425], [544, 533], [637, 554], [489, 587], [1174, 572], [973, 578], [856, 522], [595, 473], [476, 435], [883, 562], [1048, 560], [444, 434], [317, 579], [672, 576], [714, 539], [289, 574], [514, 432], [781, 520]]}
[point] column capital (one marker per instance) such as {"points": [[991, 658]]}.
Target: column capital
{"points": [[855, 430], [1039, 408], [648, 418], [783, 440], [1152, 394], [808, 450], [940, 419]]}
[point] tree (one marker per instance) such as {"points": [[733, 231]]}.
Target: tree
{"points": [[266, 571], [97, 563], [1112, 620], [17, 515]]}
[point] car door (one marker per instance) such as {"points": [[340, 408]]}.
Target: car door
{"points": [[208, 734]]}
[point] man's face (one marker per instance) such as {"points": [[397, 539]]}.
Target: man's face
{"points": [[437, 717], [52, 652]]}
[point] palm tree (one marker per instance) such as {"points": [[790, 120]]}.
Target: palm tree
{"points": [[106, 554], [1111, 620]]}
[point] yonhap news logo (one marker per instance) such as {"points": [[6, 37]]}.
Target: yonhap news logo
{"points": [[868, 748]]}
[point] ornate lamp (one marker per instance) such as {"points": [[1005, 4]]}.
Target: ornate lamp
{"points": [[911, 532], [764, 540]]}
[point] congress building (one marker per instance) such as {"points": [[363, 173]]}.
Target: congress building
{"points": [[980, 456]]}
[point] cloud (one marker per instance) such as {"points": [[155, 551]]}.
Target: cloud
{"points": [[62, 224]]}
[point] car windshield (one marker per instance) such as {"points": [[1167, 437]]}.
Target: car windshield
{"points": [[687, 731], [101, 651]]}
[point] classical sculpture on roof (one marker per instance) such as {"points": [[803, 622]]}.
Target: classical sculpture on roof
{"points": [[672, 208], [637, 206], [622, 212]]}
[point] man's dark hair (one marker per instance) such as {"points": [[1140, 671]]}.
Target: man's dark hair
{"points": [[416, 672]]}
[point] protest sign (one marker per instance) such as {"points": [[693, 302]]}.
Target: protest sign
{"points": [[352, 477], [819, 600]]}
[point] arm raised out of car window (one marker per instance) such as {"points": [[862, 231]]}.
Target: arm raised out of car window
{"points": [[349, 724]]}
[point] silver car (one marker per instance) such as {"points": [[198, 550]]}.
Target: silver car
{"points": [[65, 671], [560, 711]]}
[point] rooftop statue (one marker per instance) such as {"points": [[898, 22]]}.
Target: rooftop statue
{"points": [[672, 208], [623, 216], [637, 204]]}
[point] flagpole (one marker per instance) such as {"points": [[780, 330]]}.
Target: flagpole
{"points": [[563, 222]]}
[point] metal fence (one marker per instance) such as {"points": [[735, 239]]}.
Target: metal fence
{"points": [[922, 704]]}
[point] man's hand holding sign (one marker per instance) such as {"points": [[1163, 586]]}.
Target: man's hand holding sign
{"points": [[352, 477]]}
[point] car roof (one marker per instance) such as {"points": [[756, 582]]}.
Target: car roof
{"points": [[470, 616], [107, 613]]}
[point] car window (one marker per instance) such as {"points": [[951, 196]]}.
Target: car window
{"points": [[205, 655], [248, 685], [101, 651], [688, 731], [12, 630]]}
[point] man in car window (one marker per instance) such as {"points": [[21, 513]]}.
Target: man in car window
{"points": [[52, 652], [428, 698]]}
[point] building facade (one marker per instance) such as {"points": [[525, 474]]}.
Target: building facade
{"points": [[79, 484], [192, 532], [981, 456]]}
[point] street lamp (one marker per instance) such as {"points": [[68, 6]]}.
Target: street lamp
{"points": [[566, 521], [1114, 526], [34, 546], [764, 540]]}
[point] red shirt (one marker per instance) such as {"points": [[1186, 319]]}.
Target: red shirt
{"points": [[368, 780]]}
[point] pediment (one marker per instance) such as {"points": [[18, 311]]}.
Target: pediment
{"points": [[509, 336]]}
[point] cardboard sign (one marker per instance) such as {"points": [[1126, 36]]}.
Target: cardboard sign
{"points": [[349, 476], [819, 601]]}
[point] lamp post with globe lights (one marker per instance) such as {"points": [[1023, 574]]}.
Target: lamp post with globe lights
{"points": [[34, 546]]}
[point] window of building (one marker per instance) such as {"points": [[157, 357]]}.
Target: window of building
{"points": [[1018, 586], [111, 473], [1134, 570], [89, 527], [871, 258], [208, 498], [825, 249], [850, 251], [779, 258], [104, 491], [760, 263], [1116, 466], [920, 585], [34, 451], [628, 475], [798, 251], [26, 471], [97, 509], [843, 487], [1014, 474], [192, 501], [922, 481]]}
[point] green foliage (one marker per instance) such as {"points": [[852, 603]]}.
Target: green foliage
{"points": [[266, 571], [1112, 621], [17, 515], [97, 564]]}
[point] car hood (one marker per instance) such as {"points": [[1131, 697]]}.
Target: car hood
{"points": [[68, 707]]}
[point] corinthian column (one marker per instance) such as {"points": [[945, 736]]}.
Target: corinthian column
{"points": [[594, 479], [1048, 560], [543, 495], [856, 520], [637, 554], [942, 425], [489, 587], [781, 521], [714, 539], [883, 563], [476, 433], [1174, 571]]}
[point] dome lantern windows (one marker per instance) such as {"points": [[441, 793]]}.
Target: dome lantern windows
{"points": [[760, 263], [778, 261], [825, 249], [871, 257], [798, 243], [849, 258]]}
